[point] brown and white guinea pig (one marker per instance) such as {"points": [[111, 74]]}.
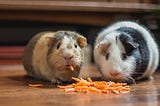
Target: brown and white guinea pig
{"points": [[126, 52], [55, 56]]}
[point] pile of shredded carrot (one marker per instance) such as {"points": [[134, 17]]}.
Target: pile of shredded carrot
{"points": [[88, 85]]}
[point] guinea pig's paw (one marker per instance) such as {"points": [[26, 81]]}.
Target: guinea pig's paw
{"points": [[56, 81], [130, 81]]}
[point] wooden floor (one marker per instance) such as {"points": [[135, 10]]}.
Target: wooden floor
{"points": [[14, 91]]}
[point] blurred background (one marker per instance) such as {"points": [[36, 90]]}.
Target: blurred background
{"points": [[22, 19]]}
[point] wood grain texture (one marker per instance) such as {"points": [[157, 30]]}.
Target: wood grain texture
{"points": [[82, 18], [62, 5], [14, 91], [86, 12]]}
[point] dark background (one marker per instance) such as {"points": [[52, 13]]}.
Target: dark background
{"points": [[19, 32]]}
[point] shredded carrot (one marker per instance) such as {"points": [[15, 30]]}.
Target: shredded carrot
{"points": [[71, 67], [35, 85], [88, 85]]}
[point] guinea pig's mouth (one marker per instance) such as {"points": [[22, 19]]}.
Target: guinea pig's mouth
{"points": [[70, 67], [115, 78]]}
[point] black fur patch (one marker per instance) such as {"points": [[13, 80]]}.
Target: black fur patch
{"points": [[141, 53]]}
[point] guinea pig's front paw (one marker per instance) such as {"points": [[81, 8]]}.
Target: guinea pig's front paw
{"points": [[130, 81], [56, 81]]}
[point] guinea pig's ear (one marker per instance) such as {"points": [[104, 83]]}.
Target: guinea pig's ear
{"points": [[51, 41], [128, 43], [82, 41], [130, 46], [103, 47], [133, 44]]}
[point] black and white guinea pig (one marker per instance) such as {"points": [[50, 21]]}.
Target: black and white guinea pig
{"points": [[125, 52]]}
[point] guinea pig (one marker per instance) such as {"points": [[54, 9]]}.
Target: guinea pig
{"points": [[126, 52], [54, 56]]}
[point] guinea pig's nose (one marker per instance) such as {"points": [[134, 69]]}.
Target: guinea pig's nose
{"points": [[114, 74], [68, 58]]}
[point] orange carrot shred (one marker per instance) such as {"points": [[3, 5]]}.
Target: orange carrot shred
{"points": [[35, 85], [88, 85]]}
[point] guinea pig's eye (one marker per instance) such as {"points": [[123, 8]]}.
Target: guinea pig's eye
{"points": [[124, 56], [58, 45], [107, 56], [75, 45]]}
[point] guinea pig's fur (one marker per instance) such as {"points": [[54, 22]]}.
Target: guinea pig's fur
{"points": [[49, 54], [125, 52]]}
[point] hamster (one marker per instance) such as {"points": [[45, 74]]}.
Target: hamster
{"points": [[54, 56], [126, 52]]}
